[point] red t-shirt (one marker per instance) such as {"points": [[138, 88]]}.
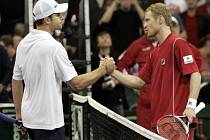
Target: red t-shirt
{"points": [[191, 26], [159, 72], [203, 9], [138, 52]]}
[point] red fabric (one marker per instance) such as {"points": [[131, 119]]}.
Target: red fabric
{"points": [[203, 9], [158, 72], [198, 57], [191, 134], [143, 110], [204, 64], [138, 52], [191, 26]]}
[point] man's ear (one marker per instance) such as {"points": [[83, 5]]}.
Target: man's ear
{"points": [[161, 19], [47, 20]]}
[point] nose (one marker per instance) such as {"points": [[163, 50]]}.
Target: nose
{"points": [[144, 26]]}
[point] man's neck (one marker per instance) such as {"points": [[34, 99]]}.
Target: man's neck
{"points": [[44, 28], [163, 34], [191, 12]]}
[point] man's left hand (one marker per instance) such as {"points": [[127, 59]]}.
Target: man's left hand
{"points": [[190, 113]]}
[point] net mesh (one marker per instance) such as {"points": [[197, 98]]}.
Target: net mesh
{"points": [[100, 123]]}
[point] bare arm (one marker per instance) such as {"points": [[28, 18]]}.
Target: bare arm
{"points": [[195, 80], [17, 92], [82, 81], [109, 12], [128, 80], [139, 9]]}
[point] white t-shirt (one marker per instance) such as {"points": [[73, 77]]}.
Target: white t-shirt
{"points": [[42, 62]]}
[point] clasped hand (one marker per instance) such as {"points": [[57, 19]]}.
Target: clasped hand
{"points": [[108, 63]]}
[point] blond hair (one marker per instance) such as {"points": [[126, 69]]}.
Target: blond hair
{"points": [[158, 9]]}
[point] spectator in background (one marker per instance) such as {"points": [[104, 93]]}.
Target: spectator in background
{"points": [[178, 6], [7, 40], [204, 95], [7, 43], [97, 8], [204, 48], [5, 74], [138, 53], [124, 20], [204, 8], [19, 33], [196, 24], [20, 29], [176, 13], [105, 91]]}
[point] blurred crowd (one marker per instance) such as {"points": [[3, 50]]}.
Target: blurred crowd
{"points": [[115, 26]]}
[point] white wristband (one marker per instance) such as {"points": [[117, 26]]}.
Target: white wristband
{"points": [[191, 103]]}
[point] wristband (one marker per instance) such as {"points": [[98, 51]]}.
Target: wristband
{"points": [[191, 103]]}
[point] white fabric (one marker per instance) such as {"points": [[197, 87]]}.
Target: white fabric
{"points": [[43, 64], [45, 8], [181, 3], [174, 20]]}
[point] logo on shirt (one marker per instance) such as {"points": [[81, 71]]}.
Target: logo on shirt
{"points": [[188, 59], [163, 61], [146, 49]]}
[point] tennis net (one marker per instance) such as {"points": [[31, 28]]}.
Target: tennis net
{"points": [[92, 121]]}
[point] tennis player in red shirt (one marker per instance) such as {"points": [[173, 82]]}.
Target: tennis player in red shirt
{"points": [[171, 69], [137, 53]]}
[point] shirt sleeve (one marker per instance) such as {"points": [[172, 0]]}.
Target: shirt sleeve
{"points": [[146, 72], [128, 58], [185, 57], [64, 69]]}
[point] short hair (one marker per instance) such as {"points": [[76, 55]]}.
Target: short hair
{"points": [[101, 33], [158, 9], [7, 40], [40, 21]]}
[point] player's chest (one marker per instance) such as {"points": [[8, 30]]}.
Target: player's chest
{"points": [[163, 58]]}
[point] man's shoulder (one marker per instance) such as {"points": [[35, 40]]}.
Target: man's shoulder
{"points": [[140, 42]]}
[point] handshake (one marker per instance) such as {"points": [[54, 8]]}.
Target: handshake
{"points": [[108, 63]]}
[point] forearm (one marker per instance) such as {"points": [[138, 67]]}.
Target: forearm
{"points": [[108, 14], [121, 67], [84, 80], [128, 80], [140, 12], [195, 81], [17, 92]]}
